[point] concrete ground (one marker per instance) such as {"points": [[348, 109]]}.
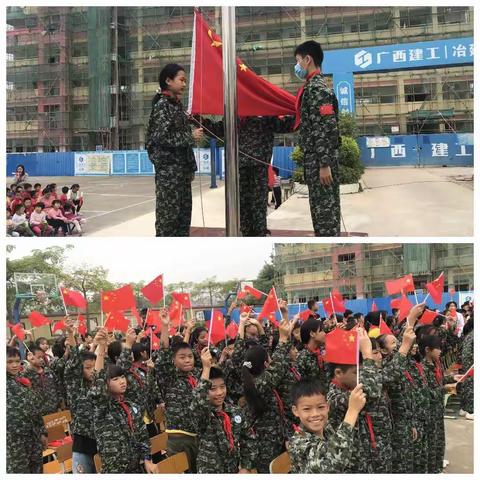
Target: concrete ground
{"points": [[459, 446], [396, 202]]}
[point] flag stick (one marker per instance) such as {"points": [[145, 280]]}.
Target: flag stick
{"points": [[425, 299], [151, 333], [299, 307], [101, 308], [358, 356], [416, 299], [210, 329], [333, 307], [145, 320], [465, 375], [25, 345], [63, 300], [276, 298]]}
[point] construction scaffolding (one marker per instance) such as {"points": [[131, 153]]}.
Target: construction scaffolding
{"points": [[80, 78], [311, 270]]}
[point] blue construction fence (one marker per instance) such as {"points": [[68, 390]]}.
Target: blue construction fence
{"points": [[445, 149], [364, 305]]}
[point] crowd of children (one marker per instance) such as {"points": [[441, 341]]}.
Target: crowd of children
{"points": [[235, 407], [36, 211]]}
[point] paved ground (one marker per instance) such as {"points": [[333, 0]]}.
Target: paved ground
{"points": [[459, 447], [396, 202]]}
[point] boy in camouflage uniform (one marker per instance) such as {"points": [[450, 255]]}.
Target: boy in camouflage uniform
{"points": [[169, 142], [344, 381], [319, 139], [317, 447], [466, 387], [226, 441], [26, 434], [255, 139], [44, 382]]}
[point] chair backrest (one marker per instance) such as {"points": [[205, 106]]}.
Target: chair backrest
{"points": [[68, 465], [56, 433], [57, 418], [52, 467], [64, 452], [281, 464], [160, 418], [158, 443], [98, 463], [177, 463]]}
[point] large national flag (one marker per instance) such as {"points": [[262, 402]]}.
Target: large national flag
{"points": [[341, 346], [270, 306], [400, 285], [183, 298], [153, 291], [118, 300], [216, 327], [37, 319], [73, 298], [256, 96], [334, 303], [435, 288]]}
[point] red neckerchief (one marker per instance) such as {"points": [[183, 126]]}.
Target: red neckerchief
{"points": [[46, 359], [296, 428], [368, 419], [296, 373], [281, 407], [42, 377], [318, 354], [438, 373], [298, 99], [24, 381], [227, 427], [126, 409], [409, 377], [421, 371], [170, 95], [136, 376], [140, 366], [192, 381]]}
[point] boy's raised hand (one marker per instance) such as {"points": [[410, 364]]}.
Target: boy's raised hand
{"points": [[365, 345], [130, 338], [68, 324], [357, 399], [165, 318], [284, 330], [415, 313], [244, 317], [206, 358]]}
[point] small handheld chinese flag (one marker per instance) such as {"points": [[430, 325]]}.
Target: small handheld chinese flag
{"points": [[399, 285], [428, 317], [82, 327], [404, 307], [270, 306], [334, 303], [118, 300], [216, 328], [183, 298], [116, 321], [305, 315], [175, 313], [60, 325], [435, 288], [153, 319], [374, 307], [257, 294], [341, 347], [153, 291], [73, 298], [232, 330], [37, 319], [18, 331]]}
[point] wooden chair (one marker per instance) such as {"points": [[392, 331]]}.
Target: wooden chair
{"points": [[160, 419], [98, 463], [281, 464], [158, 443], [68, 465], [52, 467], [57, 425], [64, 456], [177, 463]]}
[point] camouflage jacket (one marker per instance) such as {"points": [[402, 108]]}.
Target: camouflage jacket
{"points": [[169, 138], [309, 367], [77, 389], [331, 454], [214, 451], [467, 351], [284, 389], [57, 365], [176, 392], [337, 398], [256, 136], [121, 447], [142, 387], [24, 410], [45, 385], [436, 388], [420, 396], [319, 135]]}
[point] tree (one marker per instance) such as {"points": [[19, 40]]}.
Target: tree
{"points": [[265, 278]]}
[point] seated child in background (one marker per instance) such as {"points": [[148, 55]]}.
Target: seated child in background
{"points": [[17, 200], [63, 197], [38, 221], [27, 190], [53, 188], [56, 219], [20, 222], [47, 198], [37, 192], [318, 447], [28, 207], [75, 196], [73, 218]]}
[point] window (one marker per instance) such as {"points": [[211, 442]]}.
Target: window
{"points": [[151, 43], [79, 111], [376, 289], [453, 15], [420, 92], [371, 95], [52, 88], [80, 49], [273, 34], [150, 75], [52, 116], [415, 17], [456, 90]]}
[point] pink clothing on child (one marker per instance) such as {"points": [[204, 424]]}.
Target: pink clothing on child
{"points": [[56, 215], [38, 218]]}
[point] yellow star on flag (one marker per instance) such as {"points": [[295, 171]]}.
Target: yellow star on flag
{"points": [[351, 338], [243, 67], [215, 43]]}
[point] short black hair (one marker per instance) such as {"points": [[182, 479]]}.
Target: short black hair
{"points": [[347, 313], [87, 355], [27, 185], [447, 305], [65, 189], [430, 341], [180, 346], [114, 371], [56, 201], [357, 315], [312, 48], [37, 185], [308, 326], [19, 188], [75, 185], [311, 303], [19, 206], [307, 388], [341, 366], [137, 350], [13, 352], [216, 373], [40, 204], [58, 347], [35, 348], [114, 350]]}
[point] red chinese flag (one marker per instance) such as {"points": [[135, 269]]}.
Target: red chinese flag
{"points": [[334, 303], [82, 327], [60, 325], [137, 316], [217, 327], [118, 300], [384, 330], [272, 318], [256, 96], [18, 331], [395, 303], [341, 347], [153, 291], [183, 298], [374, 307], [270, 306], [116, 321], [245, 308], [241, 295], [305, 315], [154, 342], [153, 318], [175, 313], [403, 284], [73, 298], [428, 317], [257, 294], [232, 330], [435, 288], [37, 319], [404, 307]]}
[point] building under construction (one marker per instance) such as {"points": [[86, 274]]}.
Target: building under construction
{"points": [[80, 78], [312, 270]]}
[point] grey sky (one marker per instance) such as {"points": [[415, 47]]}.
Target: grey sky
{"points": [[179, 259]]}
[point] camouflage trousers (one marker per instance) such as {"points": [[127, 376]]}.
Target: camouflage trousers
{"points": [[324, 202], [466, 395], [271, 445], [402, 454], [381, 456], [435, 443], [173, 206], [420, 449], [253, 200], [24, 454]]}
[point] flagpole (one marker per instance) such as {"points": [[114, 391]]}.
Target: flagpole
{"points": [[425, 299], [333, 307], [278, 306], [465, 375], [210, 329], [232, 202], [358, 356], [416, 299], [63, 300], [101, 308]]}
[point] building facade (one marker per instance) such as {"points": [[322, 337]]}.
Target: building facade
{"points": [[83, 77], [310, 270]]}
